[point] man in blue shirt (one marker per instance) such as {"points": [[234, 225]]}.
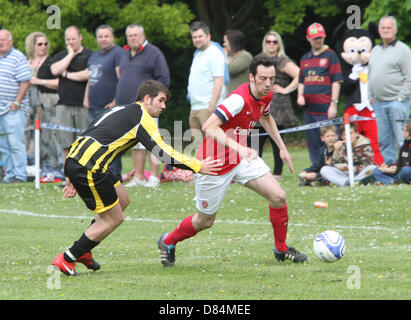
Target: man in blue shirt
{"points": [[142, 62], [14, 83], [104, 71]]}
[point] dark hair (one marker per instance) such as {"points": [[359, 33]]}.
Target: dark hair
{"points": [[260, 60], [325, 129], [236, 39], [152, 88], [104, 26], [197, 25], [353, 125]]}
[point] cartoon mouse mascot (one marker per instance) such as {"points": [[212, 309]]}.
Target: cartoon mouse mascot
{"points": [[354, 49]]}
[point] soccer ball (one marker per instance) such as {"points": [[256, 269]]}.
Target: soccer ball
{"points": [[329, 246]]}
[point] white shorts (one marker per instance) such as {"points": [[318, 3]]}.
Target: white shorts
{"points": [[139, 145], [211, 190]]}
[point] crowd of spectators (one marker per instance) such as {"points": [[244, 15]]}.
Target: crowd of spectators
{"points": [[74, 86]]}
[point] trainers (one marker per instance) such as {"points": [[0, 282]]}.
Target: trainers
{"points": [[68, 268], [152, 182], [89, 262], [135, 182], [167, 252], [290, 254]]}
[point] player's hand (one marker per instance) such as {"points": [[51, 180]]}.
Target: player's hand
{"points": [[69, 191], [285, 156], [210, 166], [247, 153]]}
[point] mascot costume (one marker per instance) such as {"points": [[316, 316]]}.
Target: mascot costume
{"points": [[354, 50]]}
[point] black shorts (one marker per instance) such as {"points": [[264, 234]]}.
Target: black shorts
{"points": [[96, 189]]}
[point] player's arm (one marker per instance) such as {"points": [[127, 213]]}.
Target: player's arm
{"points": [[269, 125], [212, 128], [149, 135]]}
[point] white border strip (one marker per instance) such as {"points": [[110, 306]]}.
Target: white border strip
{"points": [[303, 225]]}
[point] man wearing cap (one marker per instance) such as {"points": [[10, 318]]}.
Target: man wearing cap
{"points": [[319, 85]]}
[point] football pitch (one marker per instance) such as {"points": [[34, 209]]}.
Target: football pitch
{"points": [[231, 261]]}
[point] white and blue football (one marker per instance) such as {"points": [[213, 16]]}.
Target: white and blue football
{"points": [[329, 246]]}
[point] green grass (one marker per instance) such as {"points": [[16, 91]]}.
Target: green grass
{"points": [[232, 260]]}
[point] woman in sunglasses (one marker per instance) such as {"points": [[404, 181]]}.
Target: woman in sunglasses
{"points": [[286, 81], [42, 95]]}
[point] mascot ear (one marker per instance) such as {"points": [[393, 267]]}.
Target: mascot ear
{"points": [[373, 29], [336, 38]]}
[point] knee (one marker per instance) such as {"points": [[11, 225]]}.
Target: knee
{"points": [[278, 200], [203, 221], [124, 202], [118, 220]]}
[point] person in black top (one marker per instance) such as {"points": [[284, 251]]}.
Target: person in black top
{"points": [[70, 66], [108, 137]]}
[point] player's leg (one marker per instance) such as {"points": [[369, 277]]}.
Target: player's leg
{"points": [[187, 228], [210, 191], [269, 188], [103, 194]]}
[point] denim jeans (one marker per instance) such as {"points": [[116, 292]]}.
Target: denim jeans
{"points": [[314, 142], [12, 146], [403, 176], [390, 136]]}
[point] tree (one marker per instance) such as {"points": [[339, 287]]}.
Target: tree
{"points": [[401, 10]]}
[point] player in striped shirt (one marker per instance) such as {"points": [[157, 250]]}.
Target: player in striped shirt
{"points": [[226, 139], [108, 137]]}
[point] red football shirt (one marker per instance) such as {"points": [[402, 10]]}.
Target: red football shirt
{"points": [[240, 112]]}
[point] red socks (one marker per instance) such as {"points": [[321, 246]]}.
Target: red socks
{"points": [[279, 221], [184, 231], [278, 218]]}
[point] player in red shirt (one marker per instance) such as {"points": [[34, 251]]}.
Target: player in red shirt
{"points": [[226, 139]]}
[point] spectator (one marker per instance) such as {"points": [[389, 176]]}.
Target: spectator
{"points": [[401, 171], [311, 176], [237, 58], [70, 66], [206, 80], [319, 85], [143, 61], [286, 81], [390, 87], [43, 95], [104, 70], [14, 83], [363, 159]]}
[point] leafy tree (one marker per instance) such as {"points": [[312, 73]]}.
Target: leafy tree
{"points": [[401, 10]]}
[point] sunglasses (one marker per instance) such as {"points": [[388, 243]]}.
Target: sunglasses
{"points": [[271, 41], [40, 44]]}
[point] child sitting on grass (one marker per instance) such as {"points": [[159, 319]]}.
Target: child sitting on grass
{"points": [[311, 176], [363, 159], [400, 171]]}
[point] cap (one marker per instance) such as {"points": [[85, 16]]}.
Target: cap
{"points": [[315, 30]]}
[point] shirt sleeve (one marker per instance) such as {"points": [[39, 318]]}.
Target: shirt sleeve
{"points": [[217, 64], [22, 70], [230, 107], [149, 135], [335, 69]]}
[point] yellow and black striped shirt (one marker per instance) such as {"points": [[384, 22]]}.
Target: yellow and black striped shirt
{"points": [[116, 131]]}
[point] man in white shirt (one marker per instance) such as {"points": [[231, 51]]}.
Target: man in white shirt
{"points": [[206, 81]]}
